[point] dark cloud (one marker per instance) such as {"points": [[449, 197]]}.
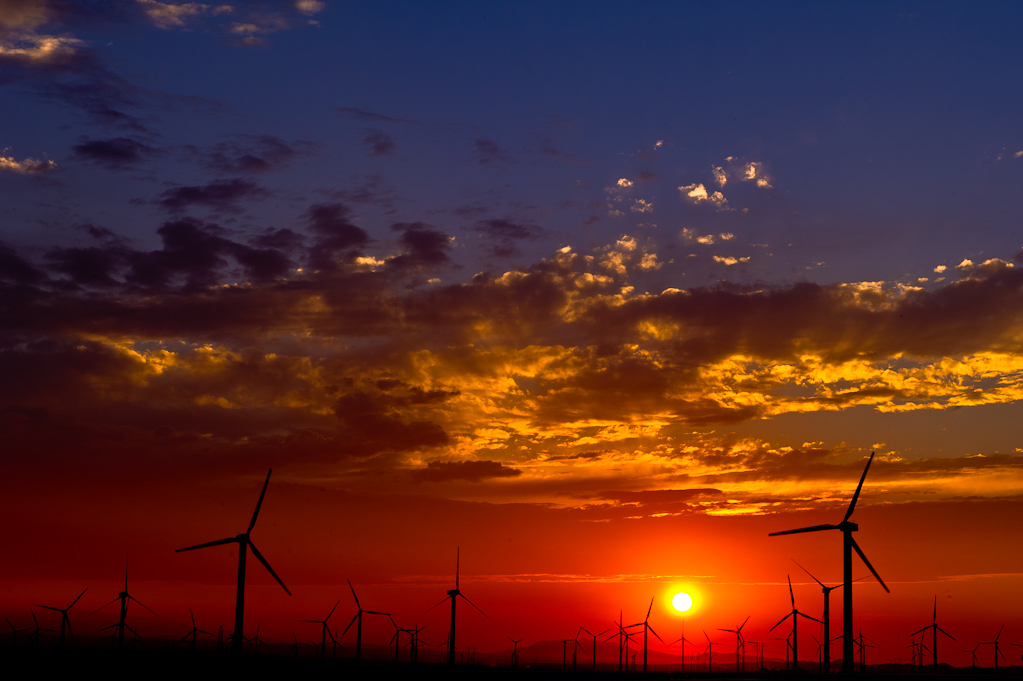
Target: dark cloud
{"points": [[489, 153], [363, 115], [116, 153], [92, 266], [554, 153], [503, 234], [370, 423], [335, 234], [14, 268], [472, 471], [253, 154], [222, 195], [645, 176], [379, 143], [424, 246]]}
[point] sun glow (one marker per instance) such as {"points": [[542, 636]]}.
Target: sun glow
{"points": [[682, 601]]}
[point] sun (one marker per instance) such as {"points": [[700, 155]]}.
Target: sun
{"points": [[682, 601]]}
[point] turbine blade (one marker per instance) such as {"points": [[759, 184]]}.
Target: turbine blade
{"points": [[333, 609], [809, 573], [815, 528], [934, 619], [442, 601], [262, 560], [791, 595], [108, 604], [946, 633], [649, 610], [229, 540], [852, 504], [259, 503], [143, 605], [779, 622], [357, 604], [919, 630], [351, 623], [744, 623], [867, 563], [803, 614], [458, 560], [193, 617], [654, 633], [79, 596], [473, 605]]}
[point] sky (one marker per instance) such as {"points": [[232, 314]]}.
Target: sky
{"points": [[594, 296]]}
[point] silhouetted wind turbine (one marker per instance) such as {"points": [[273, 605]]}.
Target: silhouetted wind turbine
{"points": [[973, 653], [358, 629], [33, 638], [195, 630], [934, 625], [594, 643], [124, 597], [65, 621], [623, 639], [738, 641], [515, 651], [684, 642], [827, 617], [326, 630], [795, 615], [244, 543], [710, 651], [849, 544], [863, 651], [646, 627], [454, 594], [995, 644], [575, 649], [14, 632]]}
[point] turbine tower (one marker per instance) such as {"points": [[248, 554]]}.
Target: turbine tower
{"points": [[244, 543], [826, 668], [738, 643], [795, 615], [934, 625], [646, 627], [326, 629], [124, 597], [65, 621], [358, 628], [454, 595], [849, 545]]}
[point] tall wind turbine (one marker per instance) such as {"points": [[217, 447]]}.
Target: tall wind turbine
{"points": [[65, 621], [515, 651], [826, 668], [738, 643], [358, 616], [594, 643], [646, 627], [124, 597], [244, 543], [325, 630], [849, 545], [454, 595], [194, 634], [795, 615], [934, 625], [684, 642], [710, 651], [994, 643]]}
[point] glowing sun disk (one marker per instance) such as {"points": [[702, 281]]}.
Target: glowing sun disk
{"points": [[682, 601]]}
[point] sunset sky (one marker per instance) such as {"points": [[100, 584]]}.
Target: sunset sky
{"points": [[600, 293]]}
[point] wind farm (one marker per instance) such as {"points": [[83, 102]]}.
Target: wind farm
{"points": [[687, 305]]}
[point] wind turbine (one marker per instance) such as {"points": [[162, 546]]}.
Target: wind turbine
{"points": [[244, 543], [575, 649], [738, 643], [623, 639], [594, 643], [795, 615], [358, 628], [863, 651], [33, 638], [195, 630], [454, 594], [684, 642], [646, 627], [849, 545], [326, 629], [515, 651], [994, 643], [710, 651], [124, 597], [65, 621], [974, 654], [14, 632], [827, 617], [934, 625]]}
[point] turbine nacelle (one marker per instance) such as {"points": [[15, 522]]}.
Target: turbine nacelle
{"points": [[848, 526]]}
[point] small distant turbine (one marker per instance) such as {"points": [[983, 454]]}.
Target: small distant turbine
{"points": [[65, 621], [795, 615]]}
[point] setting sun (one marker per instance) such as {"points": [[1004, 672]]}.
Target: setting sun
{"points": [[682, 601]]}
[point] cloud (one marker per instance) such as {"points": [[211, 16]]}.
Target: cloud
{"points": [[335, 234], [697, 193], [489, 153], [27, 166], [364, 115], [253, 154], [472, 471], [167, 16], [379, 143], [221, 195], [423, 245], [116, 153], [504, 233]]}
